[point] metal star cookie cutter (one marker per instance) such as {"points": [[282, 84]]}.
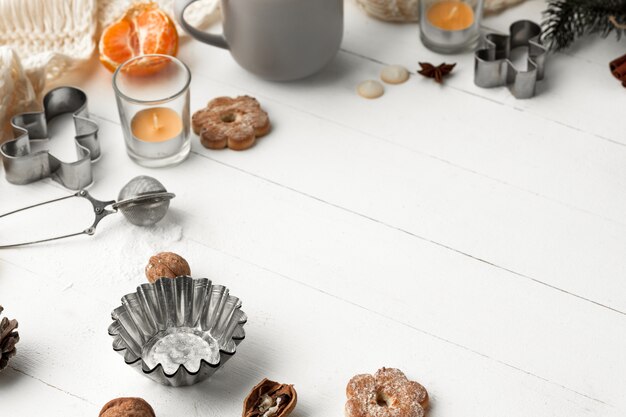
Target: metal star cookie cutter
{"points": [[493, 68], [22, 166]]}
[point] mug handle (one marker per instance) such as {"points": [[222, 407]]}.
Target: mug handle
{"points": [[211, 39]]}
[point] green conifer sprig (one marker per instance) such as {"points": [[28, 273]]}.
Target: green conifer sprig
{"points": [[567, 20]]}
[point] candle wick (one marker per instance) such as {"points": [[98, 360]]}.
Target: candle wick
{"points": [[452, 12], [155, 121]]}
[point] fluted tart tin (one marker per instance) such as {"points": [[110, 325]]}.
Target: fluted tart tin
{"points": [[178, 331]]}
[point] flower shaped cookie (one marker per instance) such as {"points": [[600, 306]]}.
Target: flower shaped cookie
{"points": [[388, 393], [230, 122]]}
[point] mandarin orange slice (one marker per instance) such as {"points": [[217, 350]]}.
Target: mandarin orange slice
{"points": [[144, 29]]}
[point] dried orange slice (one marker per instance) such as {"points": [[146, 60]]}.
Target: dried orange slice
{"points": [[144, 29]]}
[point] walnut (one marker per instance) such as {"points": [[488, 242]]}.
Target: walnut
{"points": [[168, 265], [127, 407], [270, 399]]}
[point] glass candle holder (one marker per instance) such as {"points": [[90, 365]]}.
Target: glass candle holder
{"points": [[450, 26], [152, 93]]}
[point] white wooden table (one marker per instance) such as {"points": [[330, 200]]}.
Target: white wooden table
{"points": [[475, 241]]}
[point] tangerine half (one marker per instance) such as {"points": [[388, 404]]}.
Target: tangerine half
{"points": [[144, 29]]}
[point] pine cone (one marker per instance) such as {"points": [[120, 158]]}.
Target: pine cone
{"points": [[8, 338]]}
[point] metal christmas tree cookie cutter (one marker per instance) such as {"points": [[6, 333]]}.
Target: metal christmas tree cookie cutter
{"points": [[22, 166], [493, 68], [178, 331]]}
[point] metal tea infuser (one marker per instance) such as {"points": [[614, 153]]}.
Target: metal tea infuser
{"points": [[143, 201]]}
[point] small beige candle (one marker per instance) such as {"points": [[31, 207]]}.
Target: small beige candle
{"points": [[157, 124], [451, 15]]}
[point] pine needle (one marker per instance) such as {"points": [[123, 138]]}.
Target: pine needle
{"points": [[565, 21]]}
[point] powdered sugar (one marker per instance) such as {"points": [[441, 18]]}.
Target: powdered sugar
{"points": [[134, 247], [114, 257]]}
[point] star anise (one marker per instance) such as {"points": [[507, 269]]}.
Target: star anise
{"points": [[437, 72]]}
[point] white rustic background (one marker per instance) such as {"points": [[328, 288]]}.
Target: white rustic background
{"points": [[475, 241]]}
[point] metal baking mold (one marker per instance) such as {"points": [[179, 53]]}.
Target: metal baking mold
{"points": [[178, 331], [22, 166], [492, 67]]}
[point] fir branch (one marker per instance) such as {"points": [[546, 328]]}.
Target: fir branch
{"points": [[567, 20]]}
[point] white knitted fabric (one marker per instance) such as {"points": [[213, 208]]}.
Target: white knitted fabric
{"points": [[48, 35], [496, 6], [16, 90], [43, 39]]}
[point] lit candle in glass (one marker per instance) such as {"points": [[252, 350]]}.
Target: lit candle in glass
{"points": [[450, 26], [152, 94]]}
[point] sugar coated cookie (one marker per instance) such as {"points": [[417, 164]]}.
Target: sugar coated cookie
{"points": [[233, 123], [387, 393]]}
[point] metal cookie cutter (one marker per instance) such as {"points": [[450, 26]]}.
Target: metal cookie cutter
{"points": [[23, 166], [492, 67]]}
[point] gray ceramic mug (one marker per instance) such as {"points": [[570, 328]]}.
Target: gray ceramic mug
{"points": [[276, 39]]}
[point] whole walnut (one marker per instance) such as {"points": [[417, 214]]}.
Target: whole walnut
{"points": [[168, 265], [127, 407]]}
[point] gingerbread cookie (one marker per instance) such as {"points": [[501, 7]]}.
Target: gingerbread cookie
{"points": [[235, 123], [388, 393]]}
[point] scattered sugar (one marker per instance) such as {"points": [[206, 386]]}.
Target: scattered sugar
{"points": [[127, 249]]}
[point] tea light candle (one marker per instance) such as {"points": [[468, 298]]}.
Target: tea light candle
{"points": [[450, 26], [451, 15], [156, 124], [154, 109], [157, 132]]}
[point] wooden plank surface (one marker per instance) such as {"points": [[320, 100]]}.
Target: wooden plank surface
{"points": [[473, 240]]}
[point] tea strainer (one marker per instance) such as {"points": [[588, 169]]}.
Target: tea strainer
{"points": [[144, 201]]}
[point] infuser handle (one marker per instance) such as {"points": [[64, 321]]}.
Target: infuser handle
{"points": [[211, 39], [99, 208]]}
